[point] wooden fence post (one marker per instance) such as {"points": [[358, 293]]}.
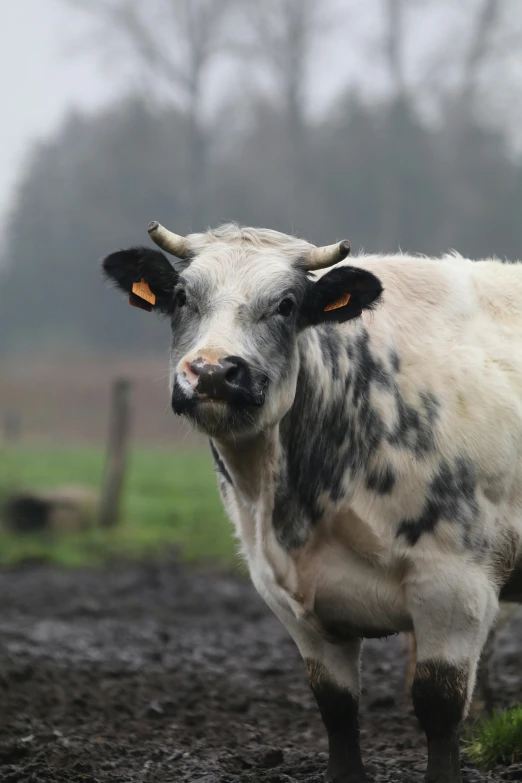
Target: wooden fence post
{"points": [[116, 453]]}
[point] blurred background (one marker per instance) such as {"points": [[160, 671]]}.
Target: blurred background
{"points": [[396, 123]]}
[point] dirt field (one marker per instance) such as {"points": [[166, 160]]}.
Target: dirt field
{"points": [[160, 673]]}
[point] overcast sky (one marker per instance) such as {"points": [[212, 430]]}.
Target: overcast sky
{"points": [[39, 80]]}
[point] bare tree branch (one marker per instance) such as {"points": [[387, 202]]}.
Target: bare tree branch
{"points": [[282, 35], [394, 43], [478, 50], [174, 42]]}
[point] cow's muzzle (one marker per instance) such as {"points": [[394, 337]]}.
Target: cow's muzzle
{"points": [[229, 380]]}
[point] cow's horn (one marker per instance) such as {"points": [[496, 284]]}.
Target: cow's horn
{"points": [[321, 257], [171, 243]]}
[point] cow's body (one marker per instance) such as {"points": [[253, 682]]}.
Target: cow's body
{"points": [[386, 493], [402, 451]]}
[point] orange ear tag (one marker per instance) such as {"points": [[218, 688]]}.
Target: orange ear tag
{"points": [[341, 302], [142, 290]]}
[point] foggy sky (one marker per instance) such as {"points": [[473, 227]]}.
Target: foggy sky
{"points": [[48, 68], [42, 77], [39, 81]]}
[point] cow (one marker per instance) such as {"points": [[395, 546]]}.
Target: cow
{"points": [[365, 421]]}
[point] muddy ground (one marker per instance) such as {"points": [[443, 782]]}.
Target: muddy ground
{"points": [[163, 673]]}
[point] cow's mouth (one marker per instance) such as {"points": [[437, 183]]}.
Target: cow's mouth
{"points": [[234, 410]]}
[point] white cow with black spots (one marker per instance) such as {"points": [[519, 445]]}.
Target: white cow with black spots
{"points": [[366, 424]]}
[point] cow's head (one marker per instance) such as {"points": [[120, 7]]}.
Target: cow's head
{"points": [[237, 299]]}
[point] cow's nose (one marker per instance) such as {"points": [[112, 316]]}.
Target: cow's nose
{"points": [[223, 379]]}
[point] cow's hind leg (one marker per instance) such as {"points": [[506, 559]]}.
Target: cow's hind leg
{"points": [[452, 615]]}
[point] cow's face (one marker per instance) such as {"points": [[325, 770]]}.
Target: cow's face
{"points": [[236, 312]]}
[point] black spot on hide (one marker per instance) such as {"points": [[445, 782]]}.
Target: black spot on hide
{"points": [[382, 482], [450, 497], [329, 438]]}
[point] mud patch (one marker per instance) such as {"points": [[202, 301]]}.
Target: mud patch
{"points": [[162, 673]]}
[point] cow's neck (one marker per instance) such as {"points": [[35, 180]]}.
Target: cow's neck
{"points": [[253, 465], [251, 462]]}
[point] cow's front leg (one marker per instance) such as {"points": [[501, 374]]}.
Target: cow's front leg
{"points": [[333, 673], [452, 613], [440, 691]]}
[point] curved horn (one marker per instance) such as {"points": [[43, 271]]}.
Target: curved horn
{"points": [[321, 257], [171, 243]]}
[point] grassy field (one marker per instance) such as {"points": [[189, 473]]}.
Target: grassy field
{"points": [[170, 499]]}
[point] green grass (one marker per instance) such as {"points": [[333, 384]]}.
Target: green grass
{"points": [[170, 500], [496, 740]]}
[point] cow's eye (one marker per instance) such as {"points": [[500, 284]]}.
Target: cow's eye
{"points": [[285, 307], [181, 297]]}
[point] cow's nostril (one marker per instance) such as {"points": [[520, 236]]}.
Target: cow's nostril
{"points": [[232, 373], [235, 371]]}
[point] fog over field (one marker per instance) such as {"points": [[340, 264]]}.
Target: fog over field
{"points": [[327, 119]]}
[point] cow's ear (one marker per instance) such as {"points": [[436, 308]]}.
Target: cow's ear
{"points": [[146, 275], [340, 295]]}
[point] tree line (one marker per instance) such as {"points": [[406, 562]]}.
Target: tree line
{"points": [[421, 168]]}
